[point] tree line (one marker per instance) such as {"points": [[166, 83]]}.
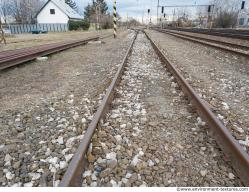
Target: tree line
{"points": [[22, 11], [222, 14], [97, 13]]}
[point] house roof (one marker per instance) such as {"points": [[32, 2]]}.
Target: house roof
{"points": [[65, 8]]}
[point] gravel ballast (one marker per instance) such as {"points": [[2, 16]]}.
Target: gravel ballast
{"points": [[46, 107], [150, 137], [220, 78]]}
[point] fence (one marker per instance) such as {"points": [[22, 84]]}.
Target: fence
{"points": [[27, 28]]}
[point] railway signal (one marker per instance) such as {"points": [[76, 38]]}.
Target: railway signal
{"points": [[209, 9], [162, 9], [243, 5]]}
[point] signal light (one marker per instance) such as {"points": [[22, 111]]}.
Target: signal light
{"points": [[209, 8], [162, 9], [243, 5]]}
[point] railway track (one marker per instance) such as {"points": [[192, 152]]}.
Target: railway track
{"points": [[225, 46], [121, 120], [12, 58], [237, 34]]}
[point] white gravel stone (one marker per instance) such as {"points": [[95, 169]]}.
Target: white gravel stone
{"points": [[246, 142], [114, 183], [70, 101], [40, 171], [128, 175], [9, 175], [157, 160], [231, 176], [30, 184], [2, 146], [87, 173], [42, 58], [52, 169], [118, 138], [60, 140], [94, 184], [94, 177], [56, 183], [111, 156], [7, 158], [34, 176], [200, 122], [17, 185], [125, 180], [53, 160], [114, 116], [203, 173], [76, 116], [63, 164], [123, 126], [150, 163], [144, 184], [42, 142], [220, 117], [225, 106], [48, 152], [83, 120], [70, 142], [68, 157]]}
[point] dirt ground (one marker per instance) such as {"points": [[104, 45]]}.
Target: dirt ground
{"points": [[28, 40]]}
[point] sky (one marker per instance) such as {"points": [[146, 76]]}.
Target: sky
{"points": [[138, 8]]}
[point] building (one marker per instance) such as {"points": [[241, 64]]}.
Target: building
{"points": [[56, 12], [244, 18], [2, 20]]}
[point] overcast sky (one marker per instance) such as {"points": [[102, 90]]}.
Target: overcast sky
{"points": [[137, 8]]}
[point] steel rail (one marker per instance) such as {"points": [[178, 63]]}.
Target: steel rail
{"points": [[236, 34], [203, 42], [9, 59], [237, 46], [231, 148], [73, 175], [31, 50]]}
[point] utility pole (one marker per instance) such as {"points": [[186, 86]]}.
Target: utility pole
{"points": [[115, 19], [127, 20], [157, 11]]}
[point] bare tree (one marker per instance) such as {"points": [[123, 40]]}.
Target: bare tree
{"points": [[2, 35], [183, 16], [24, 11], [5, 9], [202, 14], [225, 13]]}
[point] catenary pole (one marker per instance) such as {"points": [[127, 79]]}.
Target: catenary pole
{"points": [[115, 19]]}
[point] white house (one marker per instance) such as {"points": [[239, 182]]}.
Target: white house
{"points": [[244, 18], [57, 11]]}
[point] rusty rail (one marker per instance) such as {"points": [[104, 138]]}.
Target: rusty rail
{"points": [[229, 33], [231, 148], [205, 41], [73, 175], [239, 158], [15, 57]]}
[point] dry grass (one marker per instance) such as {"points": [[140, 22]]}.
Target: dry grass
{"points": [[28, 40]]}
